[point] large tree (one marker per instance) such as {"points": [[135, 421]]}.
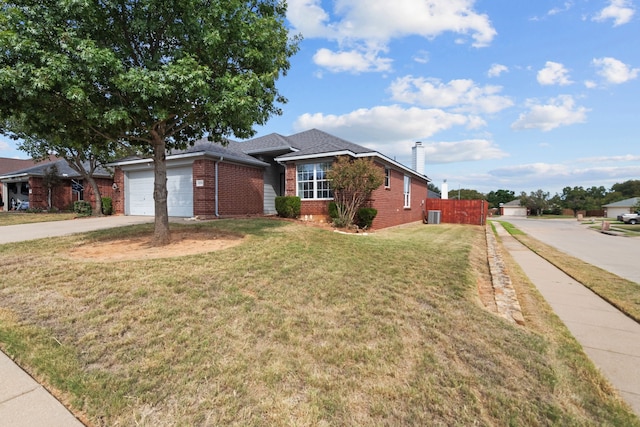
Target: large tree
{"points": [[151, 73], [537, 201], [496, 198]]}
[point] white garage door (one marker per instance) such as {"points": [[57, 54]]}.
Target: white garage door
{"points": [[179, 187]]}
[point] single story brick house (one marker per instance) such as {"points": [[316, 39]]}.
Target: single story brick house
{"points": [[513, 208], [613, 210], [24, 188], [244, 178]]}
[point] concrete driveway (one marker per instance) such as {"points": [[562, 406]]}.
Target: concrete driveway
{"points": [[616, 254], [39, 230]]}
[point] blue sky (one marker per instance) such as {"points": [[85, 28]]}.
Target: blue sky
{"points": [[504, 94]]}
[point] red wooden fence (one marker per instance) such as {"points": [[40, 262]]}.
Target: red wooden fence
{"points": [[453, 211]]}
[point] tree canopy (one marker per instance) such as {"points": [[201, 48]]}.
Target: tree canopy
{"points": [[157, 75]]}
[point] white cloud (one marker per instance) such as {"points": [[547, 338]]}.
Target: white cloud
{"points": [[386, 124], [308, 17], [560, 111], [462, 151], [532, 169], [554, 73], [621, 11], [371, 25], [462, 95], [565, 7], [609, 159], [590, 84], [496, 70], [351, 61], [615, 71], [422, 57], [4, 146]]}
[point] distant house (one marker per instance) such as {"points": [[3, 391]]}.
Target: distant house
{"points": [[513, 208], [24, 188], [244, 178], [613, 210]]}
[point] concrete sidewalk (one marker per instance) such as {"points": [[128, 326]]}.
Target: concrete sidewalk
{"points": [[25, 403], [608, 337]]}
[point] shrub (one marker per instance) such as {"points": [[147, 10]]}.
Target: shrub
{"points": [[82, 208], [365, 217], [333, 210], [288, 206], [107, 206]]}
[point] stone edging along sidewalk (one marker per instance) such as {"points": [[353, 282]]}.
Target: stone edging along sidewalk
{"points": [[503, 291]]}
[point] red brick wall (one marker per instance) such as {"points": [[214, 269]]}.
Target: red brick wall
{"points": [[118, 193], [390, 201], [63, 197], [204, 203], [241, 189]]}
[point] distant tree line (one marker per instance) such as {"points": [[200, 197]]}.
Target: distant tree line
{"points": [[540, 201]]}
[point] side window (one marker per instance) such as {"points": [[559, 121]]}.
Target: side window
{"points": [[407, 191], [387, 177]]}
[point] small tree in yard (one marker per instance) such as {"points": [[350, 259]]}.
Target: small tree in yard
{"points": [[352, 182]]}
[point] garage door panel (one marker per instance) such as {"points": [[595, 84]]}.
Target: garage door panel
{"points": [[179, 192]]}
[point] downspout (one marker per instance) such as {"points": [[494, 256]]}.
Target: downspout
{"points": [[216, 179]]}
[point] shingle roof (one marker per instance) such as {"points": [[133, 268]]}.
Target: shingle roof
{"points": [[9, 165], [626, 203], [230, 152], [63, 169], [264, 144]]}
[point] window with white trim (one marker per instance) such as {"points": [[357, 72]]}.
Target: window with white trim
{"points": [[313, 182], [387, 177], [407, 191]]}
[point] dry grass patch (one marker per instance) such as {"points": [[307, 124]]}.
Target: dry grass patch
{"points": [[184, 241], [293, 326], [15, 218]]}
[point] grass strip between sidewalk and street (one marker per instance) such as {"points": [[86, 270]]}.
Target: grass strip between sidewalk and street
{"points": [[296, 325], [619, 292], [15, 218]]}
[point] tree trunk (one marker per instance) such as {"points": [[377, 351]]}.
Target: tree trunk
{"points": [[161, 235], [97, 204], [77, 164]]}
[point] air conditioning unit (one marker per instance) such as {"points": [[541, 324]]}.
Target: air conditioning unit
{"points": [[433, 217]]}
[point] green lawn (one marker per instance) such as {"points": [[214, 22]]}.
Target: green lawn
{"points": [[295, 326]]}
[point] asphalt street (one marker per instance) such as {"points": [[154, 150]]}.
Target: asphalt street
{"points": [[616, 254]]}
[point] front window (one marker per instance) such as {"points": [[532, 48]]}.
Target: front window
{"points": [[77, 189], [407, 192], [387, 177], [313, 182]]}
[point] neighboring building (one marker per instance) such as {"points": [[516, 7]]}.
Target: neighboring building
{"points": [[613, 210], [244, 178], [24, 188], [513, 208]]}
